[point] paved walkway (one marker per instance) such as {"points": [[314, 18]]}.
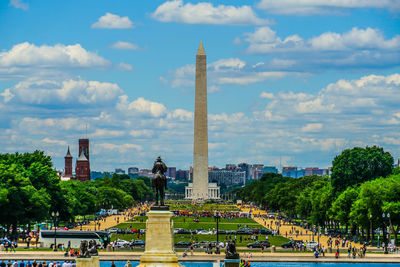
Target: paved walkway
{"points": [[201, 256], [306, 235], [111, 221]]}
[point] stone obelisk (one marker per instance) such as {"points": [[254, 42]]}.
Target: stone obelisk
{"points": [[200, 150]]}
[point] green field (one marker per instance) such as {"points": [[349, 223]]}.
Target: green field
{"points": [[206, 223]]}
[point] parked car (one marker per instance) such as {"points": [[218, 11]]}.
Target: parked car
{"points": [[201, 244], [137, 243], [184, 232], [259, 244], [311, 244], [176, 230], [203, 232], [183, 244], [113, 230], [291, 243], [264, 231], [214, 244], [122, 243]]}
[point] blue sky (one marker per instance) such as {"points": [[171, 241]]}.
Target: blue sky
{"points": [[288, 81]]}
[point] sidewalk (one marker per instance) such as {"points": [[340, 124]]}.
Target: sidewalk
{"points": [[201, 256]]}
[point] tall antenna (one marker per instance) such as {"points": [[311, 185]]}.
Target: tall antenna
{"points": [[86, 131]]}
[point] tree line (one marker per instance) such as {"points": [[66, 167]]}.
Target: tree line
{"points": [[363, 186], [30, 189]]}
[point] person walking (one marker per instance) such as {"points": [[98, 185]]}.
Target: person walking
{"points": [[22, 264]]}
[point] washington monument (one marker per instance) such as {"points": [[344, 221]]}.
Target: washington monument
{"points": [[200, 148], [201, 189]]}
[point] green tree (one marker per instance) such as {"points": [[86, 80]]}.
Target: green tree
{"points": [[357, 165]]}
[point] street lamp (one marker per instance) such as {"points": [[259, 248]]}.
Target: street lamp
{"points": [[370, 227], [384, 230], [55, 217], [217, 216]]}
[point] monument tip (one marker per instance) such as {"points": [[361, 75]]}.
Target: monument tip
{"points": [[200, 50]]}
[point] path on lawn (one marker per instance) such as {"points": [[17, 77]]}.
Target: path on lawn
{"points": [[306, 236], [113, 220]]}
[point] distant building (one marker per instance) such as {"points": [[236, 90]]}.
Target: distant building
{"points": [[119, 171], [227, 176], [82, 166], [230, 166], [292, 171], [182, 175], [145, 173], [133, 170], [246, 168], [171, 172], [266, 169], [68, 165]]}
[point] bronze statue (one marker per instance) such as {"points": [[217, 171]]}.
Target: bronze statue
{"points": [[159, 181], [92, 248], [84, 250], [88, 249], [231, 250]]}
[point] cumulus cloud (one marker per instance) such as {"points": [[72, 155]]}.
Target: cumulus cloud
{"points": [[124, 46], [142, 106], [112, 21], [312, 127], [123, 148], [25, 59], [19, 4], [67, 92], [356, 48], [224, 71], [265, 40], [310, 7], [206, 13], [125, 67]]}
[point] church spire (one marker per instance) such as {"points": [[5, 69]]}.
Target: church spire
{"points": [[68, 154]]}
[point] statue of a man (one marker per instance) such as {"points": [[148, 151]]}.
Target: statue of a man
{"points": [[159, 181]]}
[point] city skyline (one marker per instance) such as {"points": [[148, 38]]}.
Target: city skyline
{"points": [[290, 83]]}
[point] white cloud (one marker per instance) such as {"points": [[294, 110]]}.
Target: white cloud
{"points": [[267, 95], [206, 13], [312, 127], [124, 46], [19, 4], [142, 106], [227, 64], [67, 92], [125, 67], [108, 133], [54, 141], [213, 88], [112, 21], [141, 133], [310, 7], [123, 148], [265, 40], [181, 114], [28, 60], [249, 78], [224, 71], [26, 54]]}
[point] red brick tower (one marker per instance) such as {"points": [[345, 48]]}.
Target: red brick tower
{"points": [[68, 165], [82, 169], [84, 146]]}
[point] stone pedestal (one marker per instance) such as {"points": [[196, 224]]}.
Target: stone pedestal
{"points": [[232, 263], [159, 250], [88, 262]]}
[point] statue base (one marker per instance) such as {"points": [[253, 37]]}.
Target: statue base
{"points": [[232, 262], [159, 248], [88, 262]]}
